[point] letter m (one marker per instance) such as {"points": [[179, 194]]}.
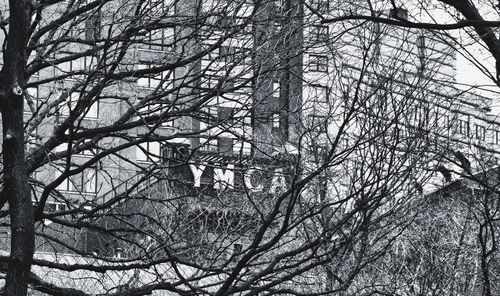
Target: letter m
{"points": [[224, 179]]}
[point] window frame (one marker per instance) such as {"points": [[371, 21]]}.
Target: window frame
{"points": [[320, 33], [83, 63], [276, 120], [57, 206], [318, 63], [70, 184], [321, 6], [480, 132], [318, 122], [463, 127], [65, 108], [153, 43], [209, 144], [320, 89], [150, 78], [149, 156]]}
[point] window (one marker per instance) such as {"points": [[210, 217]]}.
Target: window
{"points": [[480, 132], [156, 7], [215, 82], [213, 55], [227, 54], [223, 23], [75, 68], [66, 107], [421, 52], [226, 114], [158, 39], [377, 38], [153, 80], [209, 144], [225, 145], [321, 6], [276, 89], [497, 137], [398, 13], [319, 33], [159, 109], [318, 63], [318, 123], [54, 206], [463, 127], [93, 27], [237, 248], [208, 117], [421, 115], [33, 92], [241, 147], [148, 152], [64, 147], [174, 152], [170, 123], [75, 31], [276, 120], [154, 109], [84, 182], [442, 119], [319, 94], [211, 82]]}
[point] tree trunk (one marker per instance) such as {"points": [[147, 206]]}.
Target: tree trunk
{"points": [[16, 188]]}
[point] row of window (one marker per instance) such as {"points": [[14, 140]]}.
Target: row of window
{"points": [[231, 54], [92, 113], [155, 151], [64, 108], [76, 69], [64, 147], [463, 128], [159, 39], [84, 182]]}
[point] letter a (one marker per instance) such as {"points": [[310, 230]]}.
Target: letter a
{"points": [[278, 183]]}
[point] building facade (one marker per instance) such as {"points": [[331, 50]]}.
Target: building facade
{"points": [[194, 132]]}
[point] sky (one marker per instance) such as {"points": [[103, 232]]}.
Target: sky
{"points": [[469, 75]]}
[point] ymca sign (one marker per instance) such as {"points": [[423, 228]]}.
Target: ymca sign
{"points": [[254, 179]]}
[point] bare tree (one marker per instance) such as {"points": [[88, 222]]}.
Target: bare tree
{"points": [[181, 146], [472, 24]]}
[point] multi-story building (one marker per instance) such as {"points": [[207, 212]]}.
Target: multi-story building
{"points": [[182, 125]]}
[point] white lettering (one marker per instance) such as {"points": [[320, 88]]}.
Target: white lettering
{"points": [[253, 178], [197, 172], [248, 180], [223, 179], [278, 183]]}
